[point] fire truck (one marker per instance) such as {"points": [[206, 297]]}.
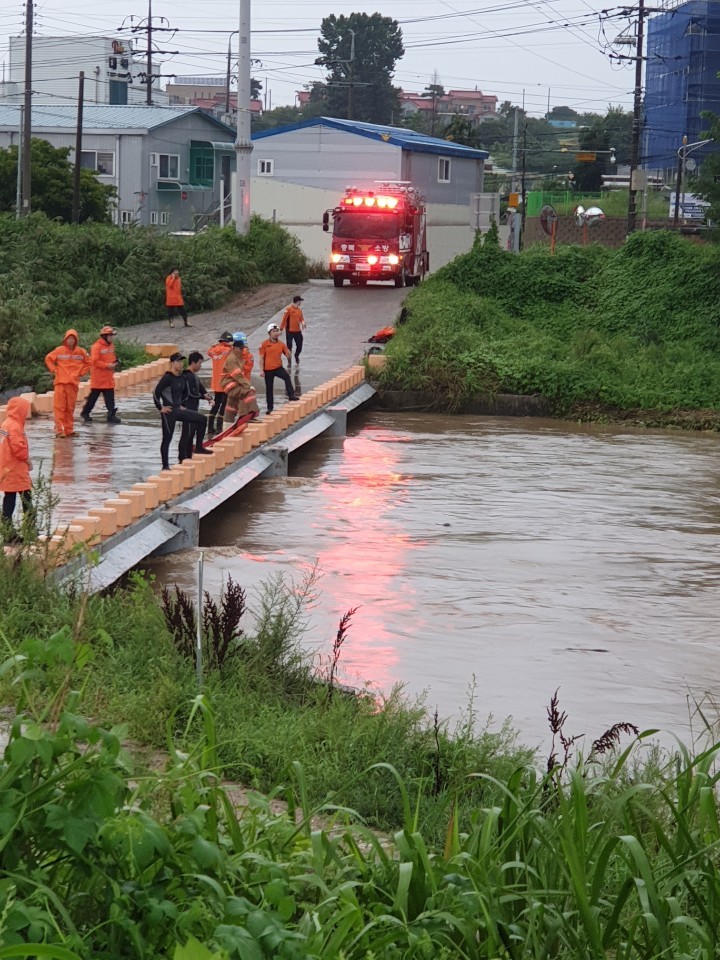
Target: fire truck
{"points": [[379, 234]]}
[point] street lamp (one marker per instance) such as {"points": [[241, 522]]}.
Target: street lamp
{"points": [[682, 153]]}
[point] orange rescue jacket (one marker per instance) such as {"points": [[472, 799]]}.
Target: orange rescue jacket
{"points": [[103, 359], [173, 291], [14, 453], [68, 365], [233, 374], [293, 320], [218, 354], [272, 352]]}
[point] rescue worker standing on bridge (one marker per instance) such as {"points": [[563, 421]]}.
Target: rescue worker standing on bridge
{"points": [[67, 363], [195, 392], [272, 351], [169, 397], [293, 323], [218, 355], [102, 376], [235, 380]]}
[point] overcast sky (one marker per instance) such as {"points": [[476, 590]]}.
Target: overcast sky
{"points": [[501, 46]]}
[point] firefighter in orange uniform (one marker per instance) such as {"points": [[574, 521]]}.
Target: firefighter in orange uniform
{"points": [[174, 298], [235, 380], [272, 351], [67, 363], [293, 323], [218, 355], [102, 376], [15, 467]]}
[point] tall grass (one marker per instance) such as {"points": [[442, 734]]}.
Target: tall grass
{"points": [[99, 859], [591, 329]]}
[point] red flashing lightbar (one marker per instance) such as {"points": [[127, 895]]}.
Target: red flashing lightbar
{"points": [[386, 203]]}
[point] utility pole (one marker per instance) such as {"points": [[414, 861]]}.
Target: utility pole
{"points": [[227, 75], [26, 207], [351, 78], [637, 118], [148, 92], [78, 150], [678, 184], [243, 143], [514, 152], [523, 193], [18, 180]]}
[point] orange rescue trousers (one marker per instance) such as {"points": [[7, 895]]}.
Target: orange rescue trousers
{"points": [[64, 408], [240, 400]]}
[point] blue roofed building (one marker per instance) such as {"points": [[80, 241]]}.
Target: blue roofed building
{"points": [[167, 164], [681, 81], [302, 169]]}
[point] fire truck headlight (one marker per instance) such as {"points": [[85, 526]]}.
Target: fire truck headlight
{"points": [[340, 258], [394, 259], [372, 259], [336, 258]]}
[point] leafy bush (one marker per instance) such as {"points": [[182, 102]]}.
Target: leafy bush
{"points": [[637, 327], [54, 275]]}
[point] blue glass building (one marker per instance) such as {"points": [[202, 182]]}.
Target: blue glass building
{"points": [[681, 80]]}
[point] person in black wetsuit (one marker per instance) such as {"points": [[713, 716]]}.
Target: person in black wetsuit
{"points": [[170, 397], [196, 391]]}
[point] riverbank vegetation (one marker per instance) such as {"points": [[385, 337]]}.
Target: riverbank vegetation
{"points": [[103, 856], [628, 333], [54, 276]]}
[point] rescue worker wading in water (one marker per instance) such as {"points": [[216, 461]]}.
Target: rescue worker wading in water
{"points": [[235, 381], [67, 363], [15, 467]]}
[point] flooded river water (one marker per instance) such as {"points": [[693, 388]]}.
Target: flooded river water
{"points": [[529, 555]]}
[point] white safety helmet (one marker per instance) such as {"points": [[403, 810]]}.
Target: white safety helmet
{"points": [[272, 326]]}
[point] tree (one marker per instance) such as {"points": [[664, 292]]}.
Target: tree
{"points": [[613, 131], [563, 113], [461, 130], [52, 184], [255, 88], [279, 117], [359, 53]]}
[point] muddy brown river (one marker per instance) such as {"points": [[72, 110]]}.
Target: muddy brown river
{"points": [[529, 555]]}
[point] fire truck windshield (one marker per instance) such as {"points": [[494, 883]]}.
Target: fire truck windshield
{"points": [[366, 226]]}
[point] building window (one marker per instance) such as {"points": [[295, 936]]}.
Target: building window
{"points": [[126, 218], [101, 161], [153, 218], [202, 166], [168, 166], [443, 170], [164, 218], [265, 168]]}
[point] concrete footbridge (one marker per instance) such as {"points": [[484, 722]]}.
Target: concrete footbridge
{"points": [[113, 504]]}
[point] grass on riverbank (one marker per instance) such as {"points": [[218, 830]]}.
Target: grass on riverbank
{"points": [[54, 276], [269, 709], [614, 856], [590, 328]]}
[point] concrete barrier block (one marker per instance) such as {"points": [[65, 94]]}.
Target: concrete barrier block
{"points": [[91, 527], [273, 424], [30, 397], [123, 508], [161, 349], [3, 412], [137, 501], [83, 390], [262, 431], [376, 361], [222, 455], [246, 442], [151, 493], [43, 403], [175, 479], [165, 486], [108, 517], [187, 472], [253, 434]]}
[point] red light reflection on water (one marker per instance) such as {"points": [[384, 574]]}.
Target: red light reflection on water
{"points": [[367, 555]]}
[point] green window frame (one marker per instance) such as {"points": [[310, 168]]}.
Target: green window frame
{"points": [[202, 166]]}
